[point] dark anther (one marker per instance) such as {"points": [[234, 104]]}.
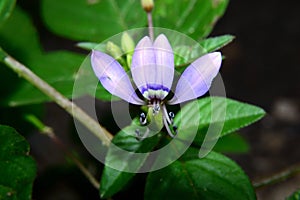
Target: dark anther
{"points": [[175, 129], [156, 108], [171, 115], [143, 119]]}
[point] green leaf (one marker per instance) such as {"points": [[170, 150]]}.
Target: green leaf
{"points": [[6, 7], [95, 20], [100, 19], [192, 17], [294, 196], [232, 143], [17, 169], [7, 193], [216, 113], [22, 44], [112, 180], [212, 177], [215, 43]]}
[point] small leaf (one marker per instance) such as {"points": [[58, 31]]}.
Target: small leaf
{"points": [[17, 169], [112, 180], [216, 113], [215, 43], [294, 196], [91, 45], [212, 177], [6, 7], [185, 54]]}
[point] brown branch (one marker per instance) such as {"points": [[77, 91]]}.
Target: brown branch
{"points": [[58, 98], [278, 177]]}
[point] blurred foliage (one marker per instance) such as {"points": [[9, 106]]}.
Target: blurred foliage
{"points": [[194, 18], [294, 196], [17, 169], [6, 7]]}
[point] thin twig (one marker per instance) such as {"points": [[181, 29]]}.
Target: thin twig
{"points": [[62, 101], [50, 133], [278, 177]]}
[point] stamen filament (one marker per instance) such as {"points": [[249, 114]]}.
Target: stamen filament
{"points": [[167, 121], [167, 127], [166, 114]]}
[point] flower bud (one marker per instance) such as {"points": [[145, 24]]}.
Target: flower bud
{"points": [[127, 43], [113, 50], [147, 5]]}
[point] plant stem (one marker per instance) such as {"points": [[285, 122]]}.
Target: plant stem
{"points": [[49, 132], [58, 98], [150, 25], [281, 176]]}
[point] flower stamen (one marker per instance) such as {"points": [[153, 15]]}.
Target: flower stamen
{"points": [[168, 121], [143, 119], [156, 107]]}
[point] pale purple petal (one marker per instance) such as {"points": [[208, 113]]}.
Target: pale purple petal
{"points": [[152, 67], [196, 80], [113, 77], [143, 62], [164, 59]]}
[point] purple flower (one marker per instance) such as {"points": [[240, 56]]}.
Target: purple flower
{"points": [[152, 71]]}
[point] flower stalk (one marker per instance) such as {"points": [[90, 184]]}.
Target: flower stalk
{"points": [[148, 6]]}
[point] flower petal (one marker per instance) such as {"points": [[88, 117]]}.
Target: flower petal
{"points": [[196, 80], [152, 67], [143, 62], [113, 77], [164, 59]]}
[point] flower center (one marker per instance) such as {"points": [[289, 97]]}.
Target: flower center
{"points": [[154, 91], [156, 107], [167, 119]]}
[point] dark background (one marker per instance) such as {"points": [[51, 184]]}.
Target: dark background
{"points": [[262, 67]]}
